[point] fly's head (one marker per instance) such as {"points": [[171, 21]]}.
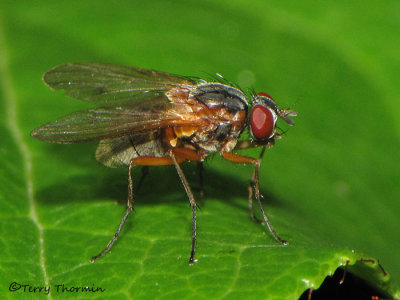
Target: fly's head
{"points": [[262, 119]]}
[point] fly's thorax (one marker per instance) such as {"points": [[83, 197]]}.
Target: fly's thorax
{"points": [[218, 94], [179, 94], [225, 113], [217, 111]]}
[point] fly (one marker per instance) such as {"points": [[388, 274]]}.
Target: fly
{"points": [[150, 118]]}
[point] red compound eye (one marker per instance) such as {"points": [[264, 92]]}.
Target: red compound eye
{"points": [[262, 94], [262, 121]]}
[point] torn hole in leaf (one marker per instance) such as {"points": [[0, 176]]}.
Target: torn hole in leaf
{"points": [[366, 279]]}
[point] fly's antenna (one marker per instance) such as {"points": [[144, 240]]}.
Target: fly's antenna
{"points": [[285, 113]]}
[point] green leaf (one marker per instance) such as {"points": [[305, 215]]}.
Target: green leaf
{"points": [[331, 185]]}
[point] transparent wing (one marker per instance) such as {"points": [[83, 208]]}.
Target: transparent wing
{"points": [[112, 121], [105, 84]]}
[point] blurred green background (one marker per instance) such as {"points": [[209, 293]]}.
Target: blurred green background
{"points": [[331, 184]]}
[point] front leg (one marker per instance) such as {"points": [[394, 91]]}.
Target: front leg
{"points": [[252, 189], [240, 159]]}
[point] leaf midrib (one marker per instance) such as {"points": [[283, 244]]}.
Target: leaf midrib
{"points": [[11, 116]]}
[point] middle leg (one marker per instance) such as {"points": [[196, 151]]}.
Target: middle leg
{"points": [[173, 154]]}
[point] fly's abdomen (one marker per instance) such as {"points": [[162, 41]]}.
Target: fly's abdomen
{"points": [[118, 152]]}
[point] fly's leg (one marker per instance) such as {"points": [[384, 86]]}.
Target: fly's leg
{"points": [[183, 153], [246, 144], [127, 213], [240, 159], [143, 161], [177, 156], [257, 196], [252, 188]]}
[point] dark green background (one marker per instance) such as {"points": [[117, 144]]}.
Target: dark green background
{"points": [[331, 185]]}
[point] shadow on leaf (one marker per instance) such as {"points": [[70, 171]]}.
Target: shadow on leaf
{"points": [[161, 185]]}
